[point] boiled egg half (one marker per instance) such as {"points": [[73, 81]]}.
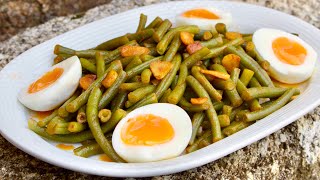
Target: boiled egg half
{"points": [[152, 133], [54, 87], [291, 59], [205, 18]]}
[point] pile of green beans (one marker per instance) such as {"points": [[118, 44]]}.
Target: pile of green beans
{"points": [[232, 104]]}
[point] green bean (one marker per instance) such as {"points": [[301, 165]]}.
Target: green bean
{"points": [[196, 144], [183, 73], [215, 52], [104, 115], [126, 60], [226, 110], [184, 104], [118, 101], [218, 105], [81, 116], [277, 104], [219, 67], [51, 125], [199, 36], [113, 43], [83, 97], [252, 51], [142, 22], [77, 137], [135, 79], [212, 43], [211, 113], [246, 76], [88, 65], [174, 82], [251, 64], [242, 90], [87, 142], [221, 28], [167, 80], [254, 82], [149, 41], [247, 38], [196, 122], [207, 35], [138, 69], [223, 84], [141, 35], [213, 93], [61, 130], [116, 116], [249, 47], [235, 126], [161, 31], [110, 93], [58, 49], [224, 120], [93, 122], [216, 60], [76, 127], [233, 94], [149, 99], [236, 110], [153, 51], [128, 104], [179, 89], [60, 57], [254, 105], [173, 48], [131, 86], [149, 45], [88, 150], [62, 124], [265, 92], [134, 62], [47, 119], [62, 112], [268, 103], [165, 96], [205, 142], [138, 94], [146, 57], [155, 23], [195, 108], [195, 57], [100, 64], [167, 38]]}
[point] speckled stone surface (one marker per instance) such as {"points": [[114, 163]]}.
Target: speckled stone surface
{"points": [[290, 153]]}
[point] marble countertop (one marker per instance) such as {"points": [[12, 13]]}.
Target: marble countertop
{"points": [[290, 153]]}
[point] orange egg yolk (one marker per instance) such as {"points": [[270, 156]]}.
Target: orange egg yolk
{"points": [[147, 129], [40, 115], [65, 147], [200, 13], [46, 80], [104, 157], [288, 51]]}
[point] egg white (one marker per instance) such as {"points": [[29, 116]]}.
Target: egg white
{"points": [[279, 70], [179, 120], [206, 24], [56, 93]]}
